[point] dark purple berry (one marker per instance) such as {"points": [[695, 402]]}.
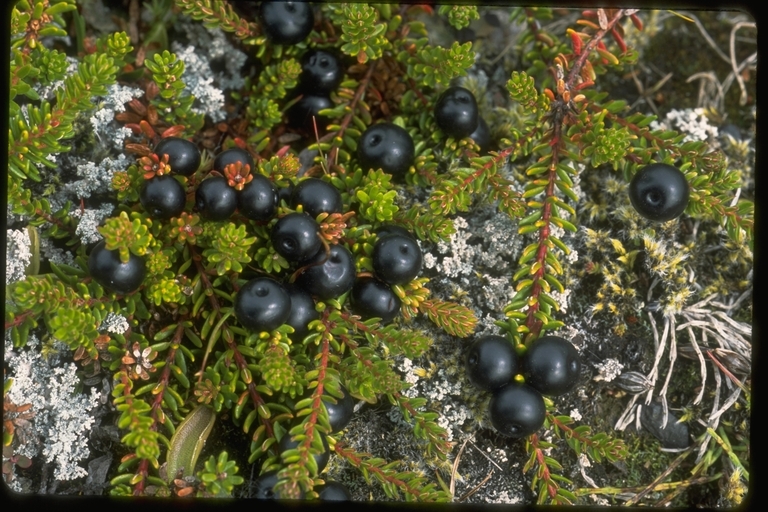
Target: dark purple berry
{"points": [[492, 362], [456, 112], [296, 237], [215, 199], [163, 197], [317, 196], [388, 147], [262, 304], [659, 192], [396, 259], [263, 487], [110, 272], [231, 156], [552, 366], [286, 22], [183, 155], [300, 114], [482, 135], [373, 298], [287, 443], [329, 277], [258, 199], [302, 312], [333, 491], [340, 413], [517, 410], [321, 72]]}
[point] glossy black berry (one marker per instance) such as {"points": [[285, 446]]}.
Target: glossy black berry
{"points": [[296, 237], [258, 199], [231, 156], [552, 366], [302, 311], [333, 491], [163, 197], [393, 229], [263, 487], [659, 192], [317, 196], [110, 272], [286, 22], [340, 413], [482, 135], [215, 199], [373, 298], [333, 277], [262, 304], [321, 72], [456, 112], [396, 259], [287, 443], [517, 410], [388, 147], [183, 155], [300, 114], [492, 362]]}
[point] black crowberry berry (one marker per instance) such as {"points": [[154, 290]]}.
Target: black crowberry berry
{"points": [[321, 72], [373, 298], [262, 304], [296, 237], [109, 271], [388, 147], [215, 199], [286, 22], [456, 112], [263, 487], [333, 491], [340, 413], [492, 362], [331, 278], [552, 366], [287, 443], [163, 197], [482, 136], [183, 155], [231, 156], [258, 199], [396, 259], [302, 311], [300, 114], [517, 410], [317, 196], [659, 192]]}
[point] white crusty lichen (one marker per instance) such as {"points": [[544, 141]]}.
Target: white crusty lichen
{"points": [[114, 323], [89, 222], [198, 77], [691, 121], [63, 417], [608, 370], [17, 254], [96, 177]]}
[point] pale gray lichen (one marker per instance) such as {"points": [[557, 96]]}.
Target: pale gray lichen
{"points": [[608, 370], [690, 121], [62, 418], [89, 222], [17, 254], [198, 78], [114, 323], [54, 254], [97, 178]]}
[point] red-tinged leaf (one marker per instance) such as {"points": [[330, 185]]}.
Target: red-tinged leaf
{"points": [[173, 131], [619, 40], [637, 22]]}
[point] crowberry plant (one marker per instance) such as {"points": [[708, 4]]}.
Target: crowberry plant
{"points": [[278, 238]]}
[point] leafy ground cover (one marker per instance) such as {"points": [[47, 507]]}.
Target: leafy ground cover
{"points": [[534, 235]]}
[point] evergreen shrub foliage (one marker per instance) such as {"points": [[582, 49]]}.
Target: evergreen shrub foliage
{"points": [[184, 362]]}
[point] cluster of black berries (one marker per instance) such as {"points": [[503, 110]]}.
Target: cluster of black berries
{"points": [[396, 259], [339, 415], [549, 367]]}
